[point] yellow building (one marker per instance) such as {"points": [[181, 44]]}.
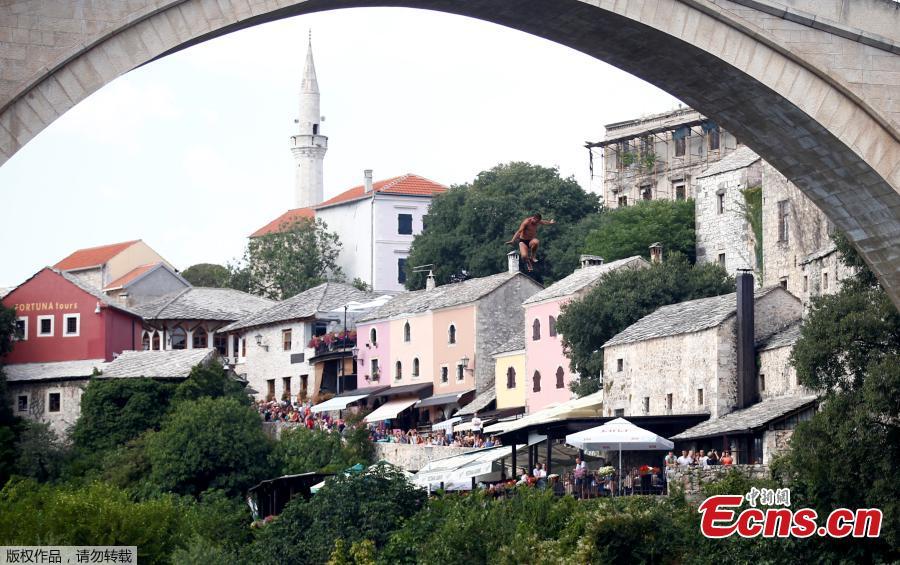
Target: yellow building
{"points": [[509, 373]]}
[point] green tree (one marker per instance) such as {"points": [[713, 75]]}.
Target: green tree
{"points": [[625, 232], [211, 381], [467, 226], [7, 330], [9, 424], [114, 411], [208, 274], [624, 297], [299, 256], [40, 453], [300, 450], [354, 508], [209, 443]]}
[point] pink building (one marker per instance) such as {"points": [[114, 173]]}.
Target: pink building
{"points": [[547, 372]]}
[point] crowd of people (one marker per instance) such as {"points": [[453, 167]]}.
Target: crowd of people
{"points": [[384, 434], [699, 458], [300, 414]]}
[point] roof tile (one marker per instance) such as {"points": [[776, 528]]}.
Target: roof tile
{"points": [[130, 276], [166, 364], [748, 418], [408, 185], [584, 277], [201, 303], [288, 218], [93, 256]]}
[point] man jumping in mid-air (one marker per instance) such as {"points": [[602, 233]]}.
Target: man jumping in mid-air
{"points": [[526, 238]]}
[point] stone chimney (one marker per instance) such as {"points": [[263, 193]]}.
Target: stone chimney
{"points": [[656, 253], [512, 261], [747, 388], [368, 183], [591, 260], [429, 281]]}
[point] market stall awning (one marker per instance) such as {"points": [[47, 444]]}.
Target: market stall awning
{"points": [[420, 390], [589, 406], [457, 472], [390, 409], [337, 403], [446, 425], [443, 399]]}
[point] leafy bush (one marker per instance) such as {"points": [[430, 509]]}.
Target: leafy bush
{"points": [[210, 382], [41, 455], [300, 450], [628, 231]]}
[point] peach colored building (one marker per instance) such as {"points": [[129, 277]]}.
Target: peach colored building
{"points": [[547, 371], [443, 336], [99, 266]]}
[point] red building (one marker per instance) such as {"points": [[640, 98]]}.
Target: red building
{"points": [[60, 318]]}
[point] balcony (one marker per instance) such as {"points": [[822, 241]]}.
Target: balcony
{"points": [[333, 342]]}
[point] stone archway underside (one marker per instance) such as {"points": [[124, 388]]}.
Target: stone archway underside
{"points": [[817, 98]]}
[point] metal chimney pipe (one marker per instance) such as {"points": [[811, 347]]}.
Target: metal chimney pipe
{"points": [[747, 388]]}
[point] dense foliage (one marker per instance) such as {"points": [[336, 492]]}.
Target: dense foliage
{"points": [[624, 297], [279, 265], [629, 231], [208, 274], [467, 226], [300, 450]]}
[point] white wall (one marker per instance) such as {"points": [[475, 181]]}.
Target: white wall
{"points": [[391, 245], [260, 365], [352, 223]]}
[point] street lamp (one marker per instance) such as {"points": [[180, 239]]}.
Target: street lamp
{"points": [[259, 342]]}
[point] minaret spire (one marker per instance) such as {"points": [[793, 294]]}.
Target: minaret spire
{"points": [[309, 146]]}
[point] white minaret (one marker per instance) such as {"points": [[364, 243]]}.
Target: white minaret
{"points": [[309, 146]]}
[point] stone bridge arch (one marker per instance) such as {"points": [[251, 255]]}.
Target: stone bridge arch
{"points": [[810, 85]]}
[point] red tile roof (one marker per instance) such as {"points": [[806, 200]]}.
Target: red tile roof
{"points": [[408, 185], [129, 276], [93, 256], [288, 217]]}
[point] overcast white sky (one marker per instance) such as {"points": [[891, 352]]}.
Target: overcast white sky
{"points": [[190, 153]]}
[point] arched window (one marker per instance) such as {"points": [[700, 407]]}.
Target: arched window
{"points": [[155, 343], [559, 378], [552, 329], [537, 381], [398, 374], [510, 378], [145, 341], [415, 372], [179, 338], [201, 339], [373, 337], [220, 342], [536, 330], [406, 332], [451, 334]]}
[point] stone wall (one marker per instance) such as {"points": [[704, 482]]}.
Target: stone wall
{"points": [[414, 457], [692, 479], [780, 375], [38, 394]]}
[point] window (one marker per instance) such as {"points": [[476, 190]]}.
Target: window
{"points": [[700, 397], [537, 381], [220, 342], [619, 412], [200, 339], [680, 193], [805, 283], [286, 336], [720, 203], [510, 377], [286, 385], [401, 270], [680, 146], [783, 227], [22, 403], [398, 370], [22, 329], [552, 329], [451, 334], [713, 138], [404, 224], [647, 193], [445, 375], [270, 389], [623, 201], [762, 382], [460, 372], [304, 384], [415, 371], [783, 282], [53, 402], [536, 330], [722, 259], [669, 402], [235, 345], [560, 378], [646, 405], [71, 325], [375, 371], [373, 336], [155, 342], [620, 365], [406, 332], [243, 347], [45, 326], [179, 338], [824, 281], [145, 341]]}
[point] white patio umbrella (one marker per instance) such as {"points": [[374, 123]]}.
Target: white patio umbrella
{"points": [[618, 434]]}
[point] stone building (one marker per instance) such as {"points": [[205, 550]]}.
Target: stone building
{"points": [[547, 372], [690, 358], [722, 214], [296, 349], [193, 318], [444, 337], [99, 266], [657, 156]]}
